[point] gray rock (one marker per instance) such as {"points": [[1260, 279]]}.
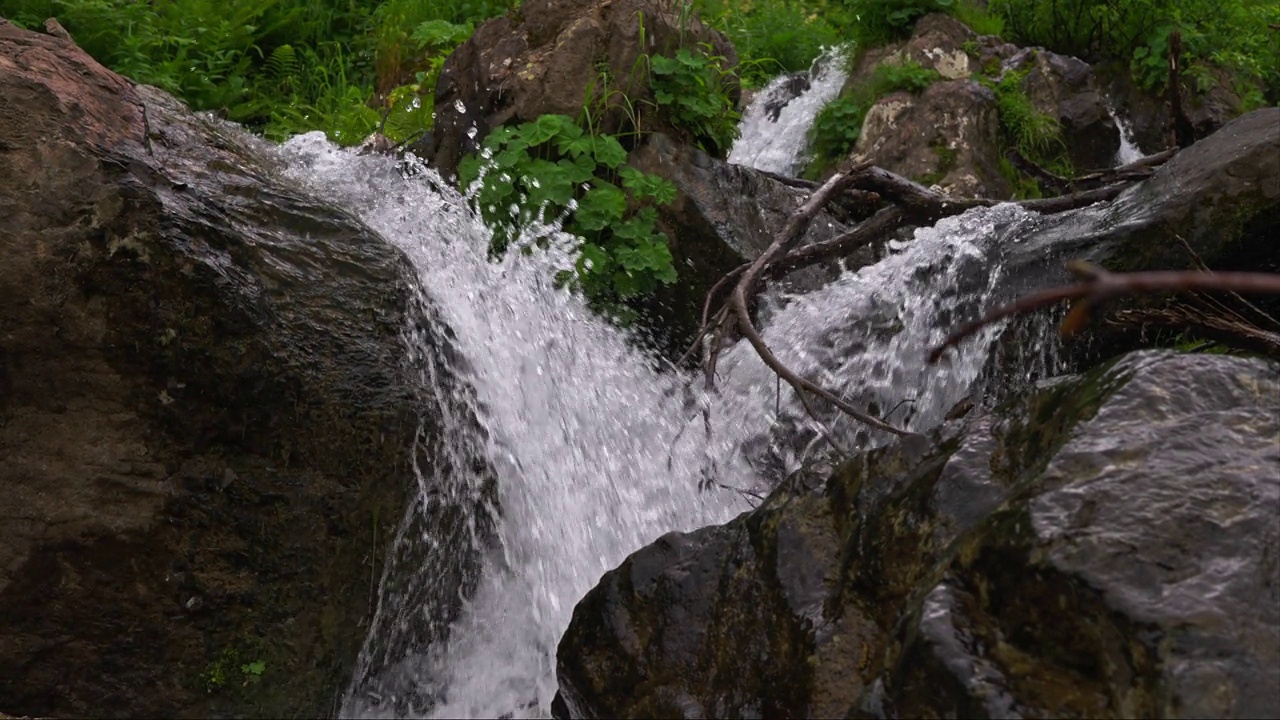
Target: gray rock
{"points": [[1102, 547]]}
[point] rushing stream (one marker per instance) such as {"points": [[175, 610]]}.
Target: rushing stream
{"points": [[594, 452], [774, 129]]}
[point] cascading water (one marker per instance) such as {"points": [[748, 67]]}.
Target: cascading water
{"points": [[1129, 150], [774, 129], [560, 450]]}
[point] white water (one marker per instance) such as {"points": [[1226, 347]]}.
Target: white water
{"points": [[781, 144], [595, 453], [1129, 150]]}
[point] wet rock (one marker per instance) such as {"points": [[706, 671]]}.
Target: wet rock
{"points": [[1064, 88], [204, 402], [947, 136], [1220, 197], [549, 57], [1208, 107], [795, 85], [1101, 547]]}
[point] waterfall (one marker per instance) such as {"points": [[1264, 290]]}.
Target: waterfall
{"points": [[774, 129], [1129, 150], [560, 449]]}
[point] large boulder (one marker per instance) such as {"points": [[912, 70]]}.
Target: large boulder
{"points": [[949, 134], [1216, 202], [205, 408], [946, 136], [555, 56], [1103, 547], [1064, 88]]}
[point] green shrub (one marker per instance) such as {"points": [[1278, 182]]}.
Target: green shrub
{"points": [[278, 66], [1232, 34], [550, 169], [877, 22], [776, 36], [1035, 135], [694, 90]]}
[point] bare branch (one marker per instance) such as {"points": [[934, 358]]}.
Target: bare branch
{"points": [[791, 234], [1100, 286]]}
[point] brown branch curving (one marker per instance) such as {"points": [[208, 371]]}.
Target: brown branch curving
{"points": [[1099, 286]]}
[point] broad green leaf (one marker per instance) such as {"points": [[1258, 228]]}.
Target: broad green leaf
{"points": [[609, 152], [600, 207], [579, 169]]}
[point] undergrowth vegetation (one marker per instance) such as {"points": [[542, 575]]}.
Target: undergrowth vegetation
{"points": [[353, 67], [280, 67], [1237, 36]]}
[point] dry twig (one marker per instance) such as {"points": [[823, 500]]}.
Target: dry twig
{"points": [[1099, 286]]}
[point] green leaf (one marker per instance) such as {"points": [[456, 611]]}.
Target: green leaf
{"points": [[662, 65], [579, 169], [600, 207], [626, 284], [545, 128], [593, 259], [609, 152], [440, 33], [577, 146], [645, 186]]}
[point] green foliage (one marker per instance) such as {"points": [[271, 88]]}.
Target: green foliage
{"points": [[1036, 135], [278, 66], [882, 21], [979, 19], [837, 127], [693, 89], [539, 172], [776, 36], [1232, 34], [227, 670]]}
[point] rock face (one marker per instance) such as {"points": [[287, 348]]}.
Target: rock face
{"points": [[1064, 88], [1221, 196], [551, 56], [949, 134], [1102, 547], [203, 408], [946, 136]]}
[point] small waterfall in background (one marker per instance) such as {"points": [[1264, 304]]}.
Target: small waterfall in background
{"points": [[560, 449], [1129, 150], [775, 127]]}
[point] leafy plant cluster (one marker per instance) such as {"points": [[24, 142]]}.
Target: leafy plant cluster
{"points": [[553, 171], [278, 66], [838, 126], [694, 90], [1232, 34]]}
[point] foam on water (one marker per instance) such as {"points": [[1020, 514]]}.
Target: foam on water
{"points": [[594, 452], [777, 140]]}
